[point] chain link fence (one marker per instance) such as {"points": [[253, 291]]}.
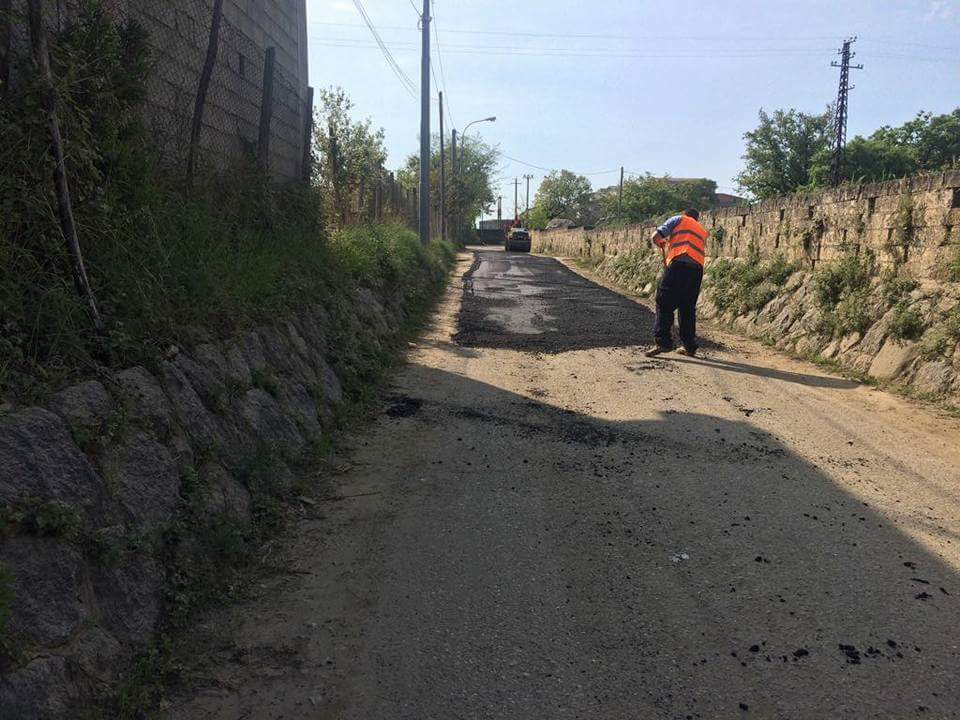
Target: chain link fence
{"points": [[240, 117], [207, 89], [217, 96]]}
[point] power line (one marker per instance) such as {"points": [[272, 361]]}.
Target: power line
{"points": [[526, 51], [565, 35], [436, 37], [546, 169], [397, 70]]}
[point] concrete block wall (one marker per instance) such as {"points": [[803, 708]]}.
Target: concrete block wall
{"points": [[914, 222], [179, 34], [178, 37]]}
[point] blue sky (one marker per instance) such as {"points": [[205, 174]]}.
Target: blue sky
{"points": [[664, 87]]}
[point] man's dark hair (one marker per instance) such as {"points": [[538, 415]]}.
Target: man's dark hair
{"points": [[692, 212]]}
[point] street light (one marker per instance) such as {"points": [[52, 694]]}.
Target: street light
{"points": [[459, 163]]}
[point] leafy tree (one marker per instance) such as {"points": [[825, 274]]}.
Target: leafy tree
{"points": [[468, 189], [777, 151], [649, 196], [563, 194], [350, 153], [537, 217], [780, 151], [866, 160]]}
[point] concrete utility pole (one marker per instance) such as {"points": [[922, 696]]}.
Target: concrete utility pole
{"points": [[500, 210], [453, 152], [453, 173], [516, 188], [620, 197], [528, 178], [443, 179], [425, 127], [840, 119]]}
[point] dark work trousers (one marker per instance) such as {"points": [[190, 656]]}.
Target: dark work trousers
{"points": [[678, 291]]}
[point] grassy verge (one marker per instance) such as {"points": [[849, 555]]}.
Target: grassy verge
{"points": [[212, 562]]}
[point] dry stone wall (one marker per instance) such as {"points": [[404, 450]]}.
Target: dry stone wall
{"points": [[912, 223], [111, 493], [901, 326]]}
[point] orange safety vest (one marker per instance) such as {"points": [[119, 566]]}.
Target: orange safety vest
{"points": [[688, 238]]}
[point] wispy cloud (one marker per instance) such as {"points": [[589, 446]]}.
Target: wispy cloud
{"points": [[939, 10]]}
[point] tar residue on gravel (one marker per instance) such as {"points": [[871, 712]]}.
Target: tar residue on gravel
{"points": [[403, 406], [569, 312]]}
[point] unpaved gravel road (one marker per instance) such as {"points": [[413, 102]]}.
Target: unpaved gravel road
{"points": [[544, 524]]}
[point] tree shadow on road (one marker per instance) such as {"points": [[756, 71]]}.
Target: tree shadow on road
{"points": [[565, 566]]}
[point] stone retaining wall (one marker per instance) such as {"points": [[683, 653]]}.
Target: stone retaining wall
{"points": [[913, 223], [112, 492], [910, 229]]}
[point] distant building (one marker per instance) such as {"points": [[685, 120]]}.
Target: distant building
{"points": [[728, 200]]}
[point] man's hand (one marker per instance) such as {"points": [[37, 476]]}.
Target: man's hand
{"points": [[661, 242]]}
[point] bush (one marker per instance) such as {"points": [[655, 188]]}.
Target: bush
{"points": [[943, 336], [906, 323], [230, 253], [747, 286], [893, 286], [633, 270], [848, 274], [953, 269], [843, 293]]}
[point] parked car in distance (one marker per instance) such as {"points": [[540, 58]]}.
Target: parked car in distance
{"points": [[517, 239]]}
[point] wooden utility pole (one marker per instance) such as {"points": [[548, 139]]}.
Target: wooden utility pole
{"points": [[266, 107], [213, 45], [38, 43]]}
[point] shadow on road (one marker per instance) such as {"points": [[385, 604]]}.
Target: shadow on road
{"points": [[767, 372], [563, 566]]}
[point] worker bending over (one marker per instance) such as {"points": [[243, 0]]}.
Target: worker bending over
{"points": [[683, 241]]}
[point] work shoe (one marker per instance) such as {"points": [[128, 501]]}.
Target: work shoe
{"points": [[688, 353], [654, 351]]}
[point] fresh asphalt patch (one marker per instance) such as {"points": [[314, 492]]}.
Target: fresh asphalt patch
{"points": [[525, 302], [515, 301]]}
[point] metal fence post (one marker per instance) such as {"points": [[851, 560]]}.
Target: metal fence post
{"points": [[306, 163], [266, 108], [213, 45], [6, 35]]}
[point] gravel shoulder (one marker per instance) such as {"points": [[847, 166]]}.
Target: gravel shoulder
{"points": [[542, 523]]}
